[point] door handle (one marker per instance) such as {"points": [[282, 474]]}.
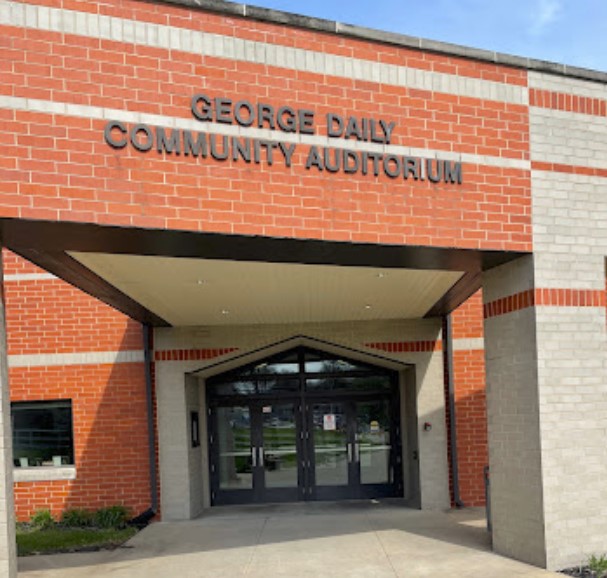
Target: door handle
{"points": [[356, 452], [350, 453], [254, 457], [261, 456]]}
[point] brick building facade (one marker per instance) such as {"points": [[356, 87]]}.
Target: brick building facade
{"points": [[191, 193]]}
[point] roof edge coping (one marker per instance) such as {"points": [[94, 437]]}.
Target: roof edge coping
{"points": [[360, 32]]}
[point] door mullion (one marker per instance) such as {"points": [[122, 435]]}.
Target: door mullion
{"points": [[213, 452], [305, 453], [301, 450], [256, 444], [310, 454], [354, 469]]}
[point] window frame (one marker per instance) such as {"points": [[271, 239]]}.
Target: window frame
{"points": [[41, 403]]}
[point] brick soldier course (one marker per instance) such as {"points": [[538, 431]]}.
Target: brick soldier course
{"points": [[202, 130]]}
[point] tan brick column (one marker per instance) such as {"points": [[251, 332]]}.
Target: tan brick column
{"points": [[8, 551], [513, 418], [569, 211], [546, 362]]}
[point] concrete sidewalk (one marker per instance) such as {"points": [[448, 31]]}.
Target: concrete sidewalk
{"points": [[335, 540]]}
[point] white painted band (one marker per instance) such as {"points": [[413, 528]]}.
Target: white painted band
{"points": [[94, 25], [44, 474], [468, 343], [99, 113], [29, 277], [86, 358]]}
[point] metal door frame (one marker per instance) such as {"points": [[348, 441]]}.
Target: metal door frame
{"points": [[306, 488]]}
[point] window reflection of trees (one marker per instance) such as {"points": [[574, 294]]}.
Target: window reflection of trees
{"points": [[281, 374]]}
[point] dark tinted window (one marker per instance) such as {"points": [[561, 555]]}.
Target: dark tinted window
{"points": [[358, 384], [277, 385], [283, 365], [235, 388], [42, 433], [281, 374], [317, 362], [255, 386]]}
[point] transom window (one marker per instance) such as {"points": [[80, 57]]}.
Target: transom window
{"points": [[301, 369]]}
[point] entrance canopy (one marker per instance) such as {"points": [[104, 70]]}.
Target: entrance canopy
{"points": [[180, 278]]}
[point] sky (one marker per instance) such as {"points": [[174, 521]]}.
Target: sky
{"points": [[571, 32]]}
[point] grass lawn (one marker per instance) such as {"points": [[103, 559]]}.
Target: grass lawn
{"points": [[56, 539]]}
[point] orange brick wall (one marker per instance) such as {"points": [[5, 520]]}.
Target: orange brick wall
{"points": [[108, 400], [110, 436], [471, 422], [467, 321], [58, 167], [470, 403], [13, 265], [74, 175], [50, 316]]}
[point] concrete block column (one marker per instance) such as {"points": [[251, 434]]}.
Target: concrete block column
{"points": [[513, 418], [173, 442], [546, 363], [8, 550]]}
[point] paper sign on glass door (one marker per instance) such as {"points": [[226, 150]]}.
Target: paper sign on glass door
{"points": [[328, 421]]}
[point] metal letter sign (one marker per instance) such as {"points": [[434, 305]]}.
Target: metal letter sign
{"points": [[359, 158]]}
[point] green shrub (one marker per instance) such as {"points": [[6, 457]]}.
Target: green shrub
{"points": [[598, 565], [42, 519], [77, 518], [112, 517]]}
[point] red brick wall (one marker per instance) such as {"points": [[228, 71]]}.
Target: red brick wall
{"points": [[50, 316], [467, 321], [58, 167], [110, 436], [470, 402], [471, 421], [108, 400], [74, 175]]}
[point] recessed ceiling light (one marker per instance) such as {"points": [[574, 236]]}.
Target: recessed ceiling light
{"points": [[201, 282], [225, 312], [381, 275], [367, 306]]}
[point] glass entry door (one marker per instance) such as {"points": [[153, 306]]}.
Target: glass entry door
{"points": [[353, 447], [255, 453], [278, 436], [331, 473], [232, 462], [304, 425], [378, 460]]}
